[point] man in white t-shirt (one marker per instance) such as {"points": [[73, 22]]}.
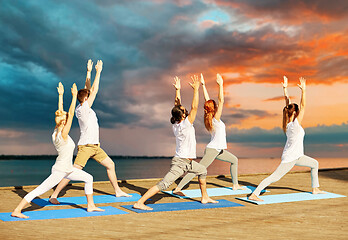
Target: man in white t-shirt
{"points": [[89, 145]]}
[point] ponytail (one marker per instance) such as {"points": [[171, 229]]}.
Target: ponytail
{"points": [[210, 108], [177, 114], [287, 112]]}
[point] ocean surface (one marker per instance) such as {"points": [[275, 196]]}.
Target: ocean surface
{"points": [[33, 171]]}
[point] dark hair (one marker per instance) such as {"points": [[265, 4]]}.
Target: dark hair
{"points": [[287, 112], [177, 113], [82, 93], [210, 108]]}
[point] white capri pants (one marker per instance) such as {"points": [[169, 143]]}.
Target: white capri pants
{"points": [[284, 168], [56, 176]]}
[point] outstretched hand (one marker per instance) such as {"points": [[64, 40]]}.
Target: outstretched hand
{"points": [[285, 83], [74, 90], [302, 84], [195, 82], [176, 83], [202, 79], [60, 88], [89, 65], [99, 66], [219, 79]]}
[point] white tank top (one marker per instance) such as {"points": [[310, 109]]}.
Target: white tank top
{"points": [[218, 135], [294, 143], [184, 133], [65, 151]]}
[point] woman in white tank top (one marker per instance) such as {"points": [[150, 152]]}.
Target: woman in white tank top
{"points": [[216, 149], [63, 167], [293, 153]]}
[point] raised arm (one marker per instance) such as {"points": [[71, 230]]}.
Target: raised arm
{"points": [[194, 107], [88, 77], [177, 86], [60, 89], [302, 86], [69, 120], [285, 89], [95, 86], [205, 92], [220, 82]]}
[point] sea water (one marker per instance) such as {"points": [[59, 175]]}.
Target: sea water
{"points": [[33, 171]]}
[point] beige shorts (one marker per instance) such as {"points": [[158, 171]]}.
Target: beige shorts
{"points": [[85, 152]]}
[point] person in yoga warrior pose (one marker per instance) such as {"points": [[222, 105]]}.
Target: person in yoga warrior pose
{"points": [[89, 145], [293, 153], [63, 168], [216, 149], [182, 123]]}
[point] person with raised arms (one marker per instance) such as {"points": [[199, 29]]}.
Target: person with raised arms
{"points": [[89, 145], [184, 132], [216, 149], [293, 153], [63, 167]]}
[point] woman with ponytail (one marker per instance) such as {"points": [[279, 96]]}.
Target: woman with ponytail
{"points": [[293, 153], [63, 167], [216, 149], [184, 132]]}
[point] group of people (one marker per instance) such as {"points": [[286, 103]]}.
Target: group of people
{"points": [[182, 123]]}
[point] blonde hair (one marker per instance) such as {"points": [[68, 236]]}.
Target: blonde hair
{"points": [[60, 116], [210, 108]]}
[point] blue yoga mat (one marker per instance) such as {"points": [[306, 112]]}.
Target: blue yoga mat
{"points": [[82, 200], [223, 191], [179, 206], [62, 213], [292, 197]]}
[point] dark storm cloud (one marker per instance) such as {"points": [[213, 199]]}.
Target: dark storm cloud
{"points": [[335, 134]]}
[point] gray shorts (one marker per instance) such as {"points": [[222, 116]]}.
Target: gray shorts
{"points": [[178, 167]]}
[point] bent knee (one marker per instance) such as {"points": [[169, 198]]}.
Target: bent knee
{"points": [[89, 178], [163, 185]]}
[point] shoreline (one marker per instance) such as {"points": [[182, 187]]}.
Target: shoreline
{"points": [[158, 179]]}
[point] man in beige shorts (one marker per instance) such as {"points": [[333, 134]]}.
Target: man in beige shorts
{"points": [[88, 145]]}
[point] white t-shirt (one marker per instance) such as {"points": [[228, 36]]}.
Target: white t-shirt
{"points": [[65, 151], [184, 133], [218, 135], [294, 143], [89, 127]]}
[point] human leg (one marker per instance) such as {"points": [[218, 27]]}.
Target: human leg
{"points": [[46, 185], [84, 152], [201, 171], [80, 175], [208, 158], [282, 169], [110, 169], [306, 161], [229, 157], [178, 167]]}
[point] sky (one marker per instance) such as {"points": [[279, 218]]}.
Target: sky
{"points": [[144, 44]]}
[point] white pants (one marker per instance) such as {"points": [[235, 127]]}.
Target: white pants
{"points": [[284, 168], [56, 176]]}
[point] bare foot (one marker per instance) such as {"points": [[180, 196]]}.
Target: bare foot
{"points": [[94, 209], [317, 191], [18, 215], [122, 194], [179, 193], [254, 198], [208, 200], [237, 187], [141, 206], [54, 201]]}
